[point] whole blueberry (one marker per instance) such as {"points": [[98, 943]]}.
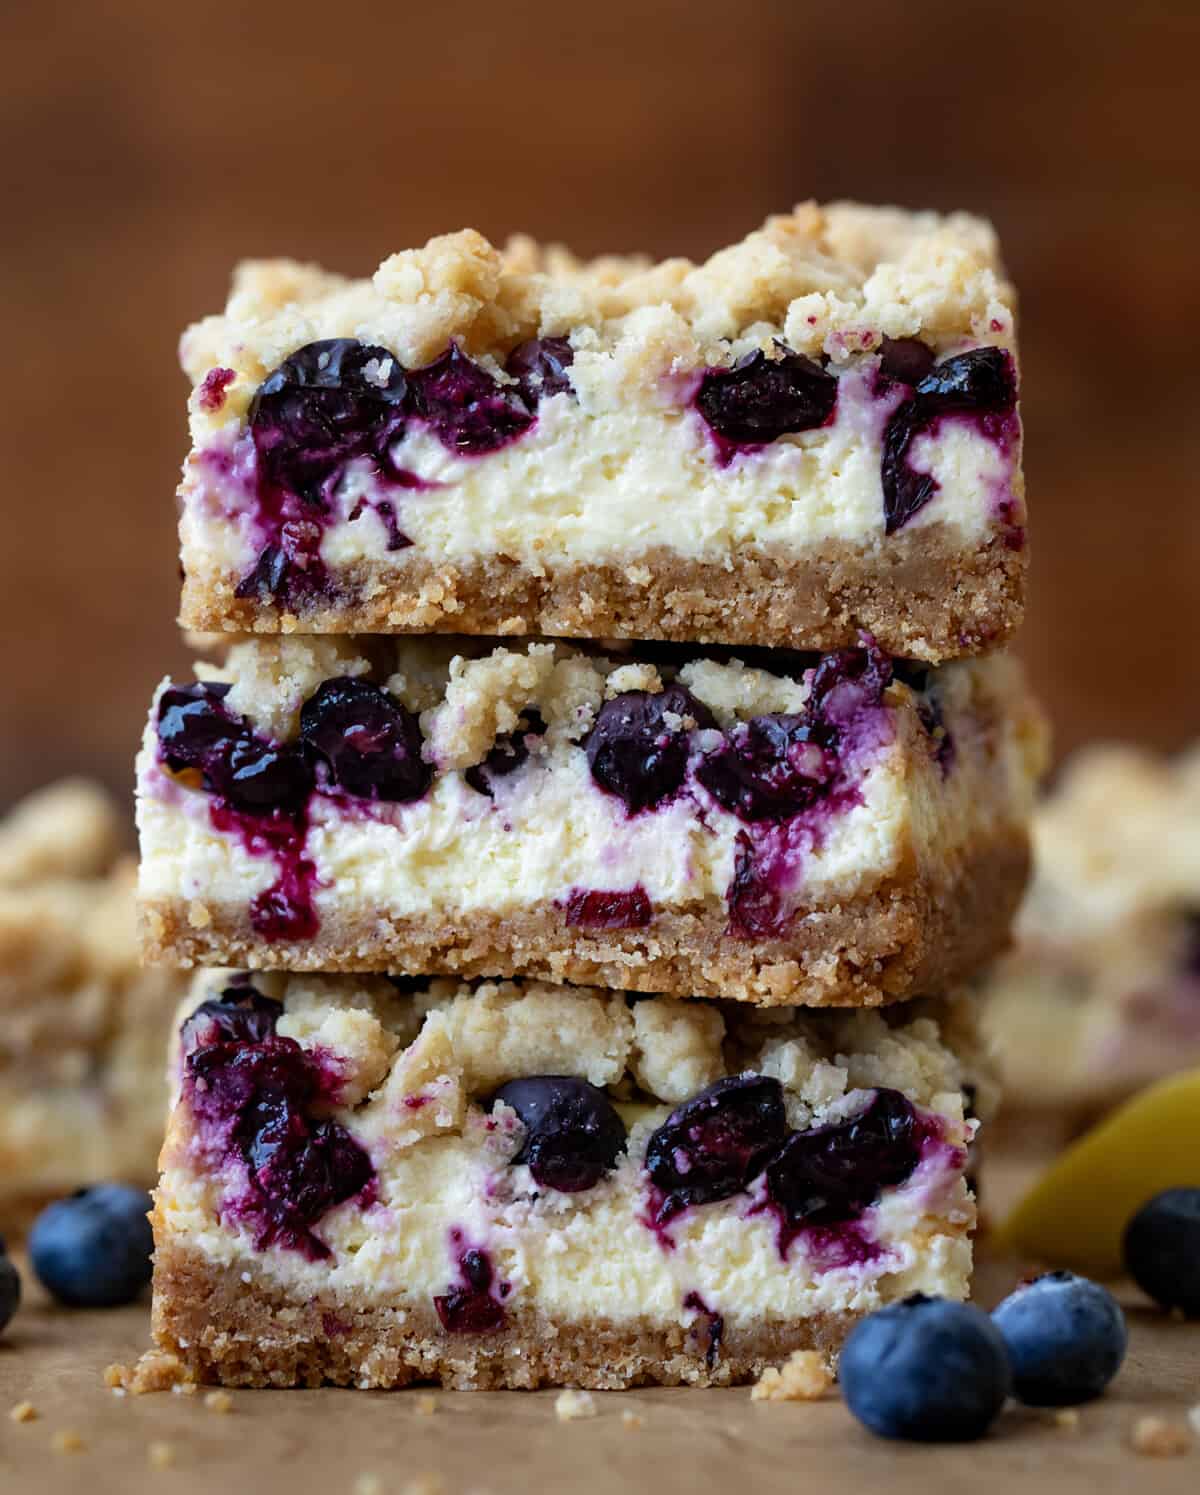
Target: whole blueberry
{"points": [[10, 1291], [638, 749], [468, 410], [1066, 1339], [573, 1132], [769, 768], [239, 1015], [370, 742], [1162, 1249], [92, 1249], [927, 1370], [540, 367], [760, 398], [710, 1147]]}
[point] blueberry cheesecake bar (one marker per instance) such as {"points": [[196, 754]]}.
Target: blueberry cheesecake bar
{"points": [[1101, 994], [83, 1092], [370, 1181], [785, 828], [811, 434]]}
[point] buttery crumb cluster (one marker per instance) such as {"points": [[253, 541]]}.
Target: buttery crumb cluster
{"points": [[608, 785]]}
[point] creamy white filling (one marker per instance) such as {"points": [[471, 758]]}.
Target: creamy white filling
{"points": [[587, 1255], [585, 485]]}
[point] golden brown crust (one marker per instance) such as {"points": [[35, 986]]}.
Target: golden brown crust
{"points": [[921, 594], [900, 941], [227, 1325]]}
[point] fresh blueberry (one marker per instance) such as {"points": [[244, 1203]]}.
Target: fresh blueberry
{"points": [[1066, 1338], [573, 1132], [1162, 1249], [465, 407], [10, 1290], [93, 1249], [832, 1173], [540, 368], [326, 404], [635, 752], [371, 743], [239, 1015], [710, 1147], [507, 753], [760, 398], [927, 1370]]}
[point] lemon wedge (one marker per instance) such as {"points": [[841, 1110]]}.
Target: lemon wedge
{"points": [[1076, 1213]]}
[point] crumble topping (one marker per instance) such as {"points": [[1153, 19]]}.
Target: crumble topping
{"points": [[70, 829]]}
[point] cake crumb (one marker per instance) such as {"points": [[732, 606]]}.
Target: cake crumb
{"points": [[1194, 1419], [1159, 1439], [117, 1375], [631, 1419], [67, 1440], [219, 1401], [23, 1412], [1067, 1418], [157, 1370], [368, 1484], [803, 1377], [185, 1388], [570, 1406], [426, 1405], [160, 1455]]}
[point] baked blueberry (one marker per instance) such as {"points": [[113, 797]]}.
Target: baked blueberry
{"points": [[239, 1015], [770, 767], [370, 743], [761, 398], [509, 751], [466, 408], [92, 1249], [638, 749], [196, 731], [1066, 1339], [927, 1370], [711, 1147], [573, 1132], [1162, 1249], [540, 367]]}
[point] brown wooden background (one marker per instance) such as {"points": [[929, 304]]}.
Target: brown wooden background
{"points": [[145, 145]]}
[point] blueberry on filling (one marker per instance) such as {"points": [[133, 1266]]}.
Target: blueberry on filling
{"points": [[509, 751], [573, 1132], [761, 398], [638, 748], [239, 1015], [980, 382], [831, 1174], [255, 1090], [325, 405], [470, 1307], [466, 408], [540, 368], [196, 731], [369, 743], [769, 768], [713, 1145]]}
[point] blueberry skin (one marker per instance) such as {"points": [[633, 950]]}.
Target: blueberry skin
{"points": [[10, 1291], [1066, 1339], [1162, 1249], [92, 1249], [926, 1370]]}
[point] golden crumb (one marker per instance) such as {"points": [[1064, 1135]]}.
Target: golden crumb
{"points": [[1194, 1419], [23, 1412], [67, 1440], [368, 1484], [160, 1455], [185, 1388], [426, 1405], [631, 1419], [804, 1377], [1067, 1418], [424, 1484], [117, 1375], [157, 1370], [219, 1401], [1160, 1439], [570, 1406]]}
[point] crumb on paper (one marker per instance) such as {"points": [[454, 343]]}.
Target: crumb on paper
{"points": [[426, 1405], [1160, 1439], [1194, 1419], [157, 1370], [219, 1401], [67, 1440], [23, 1412], [1067, 1418], [368, 1484], [570, 1406], [632, 1419], [160, 1455], [803, 1377]]}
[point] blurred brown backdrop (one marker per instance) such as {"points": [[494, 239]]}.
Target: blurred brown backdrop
{"points": [[144, 147]]}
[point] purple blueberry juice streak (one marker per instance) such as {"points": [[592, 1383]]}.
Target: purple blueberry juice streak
{"points": [[592, 908], [471, 1306], [285, 910], [715, 1326]]}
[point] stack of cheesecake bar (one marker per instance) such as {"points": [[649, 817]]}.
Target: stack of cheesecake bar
{"points": [[609, 784]]}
